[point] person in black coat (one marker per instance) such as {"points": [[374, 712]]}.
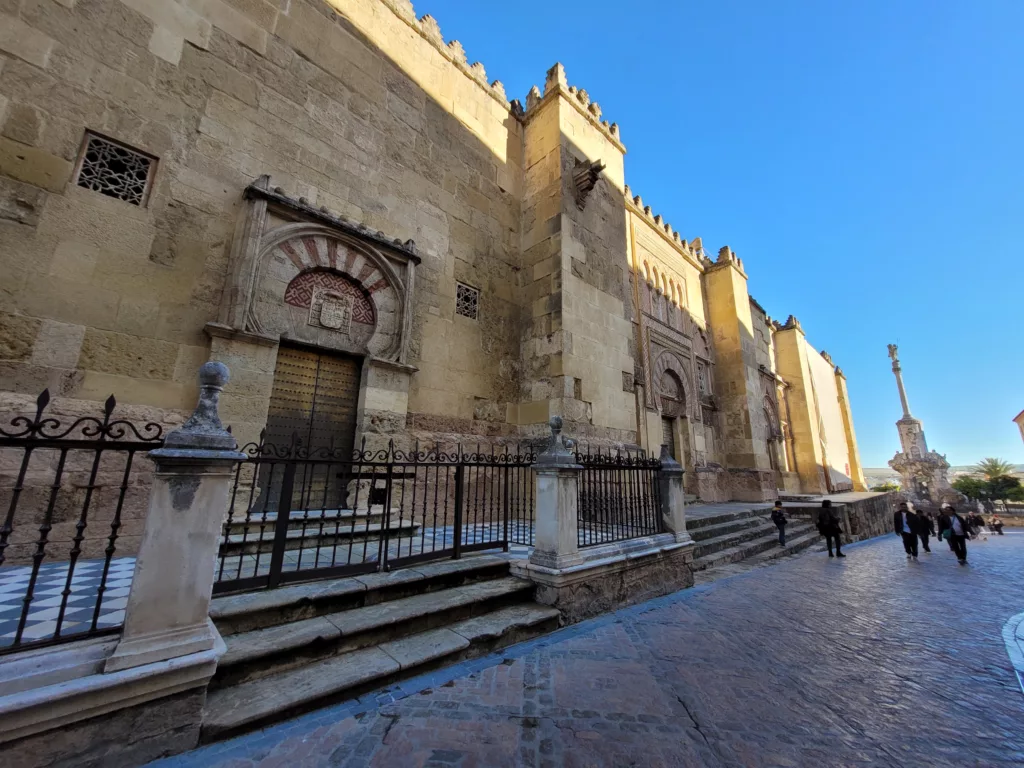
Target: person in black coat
{"points": [[925, 530], [779, 518], [958, 532], [906, 524], [829, 527]]}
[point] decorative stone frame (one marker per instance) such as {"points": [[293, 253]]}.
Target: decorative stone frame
{"points": [[668, 360], [279, 238]]}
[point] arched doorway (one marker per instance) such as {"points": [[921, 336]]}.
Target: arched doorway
{"points": [[674, 427]]}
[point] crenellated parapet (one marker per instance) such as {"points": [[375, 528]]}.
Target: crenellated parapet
{"points": [[693, 251], [792, 323], [430, 30], [556, 83], [727, 258]]}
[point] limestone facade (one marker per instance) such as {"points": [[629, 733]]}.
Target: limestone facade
{"points": [[332, 176]]}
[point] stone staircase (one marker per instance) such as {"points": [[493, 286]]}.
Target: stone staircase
{"points": [[328, 528], [296, 648], [730, 537]]}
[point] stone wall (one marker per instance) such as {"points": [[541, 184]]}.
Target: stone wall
{"points": [[862, 515], [356, 117], [366, 113]]}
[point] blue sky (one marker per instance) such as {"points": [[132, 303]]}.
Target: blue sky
{"points": [[865, 160]]}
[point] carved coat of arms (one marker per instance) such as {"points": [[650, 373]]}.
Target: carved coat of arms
{"points": [[329, 309]]}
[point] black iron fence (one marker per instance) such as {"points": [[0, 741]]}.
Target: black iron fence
{"points": [[298, 514], [69, 490], [619, 497]]}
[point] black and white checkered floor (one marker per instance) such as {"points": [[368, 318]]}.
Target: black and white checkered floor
{"points": [[48, 595]]}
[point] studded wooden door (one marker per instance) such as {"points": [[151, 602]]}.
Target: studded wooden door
{"points": [[668, 436], [313, 407]]}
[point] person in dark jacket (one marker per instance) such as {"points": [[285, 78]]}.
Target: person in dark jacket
{"points": [[906, 524], [828, 526], [925, 529], [958, 532], [996, 524], [779, 518]]}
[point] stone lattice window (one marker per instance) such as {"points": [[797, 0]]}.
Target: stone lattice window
{"points": [[702, 379], [467, 301], [115, 170]]}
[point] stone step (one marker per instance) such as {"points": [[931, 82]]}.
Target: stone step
{"points": [[330, 535], [262, 652], [718, 543], [721, 529], [693, 523], [753, 547], [344, 517], [793, 545], [257, 703], [272, 607]]}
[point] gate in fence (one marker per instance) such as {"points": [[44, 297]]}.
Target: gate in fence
{"points": [[298, 514]]}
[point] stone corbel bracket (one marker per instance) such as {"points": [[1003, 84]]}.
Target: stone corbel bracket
{"points": [[584, 179]]}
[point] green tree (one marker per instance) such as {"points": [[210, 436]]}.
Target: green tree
{"points": [[887, 487], [1005, 487], [971, 487], [990, 468]]}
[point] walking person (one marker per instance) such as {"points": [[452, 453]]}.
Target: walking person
{"points": [[958, 532], [779, 518], [828, 526], [996, 524], [906, 525], [925, 530]]}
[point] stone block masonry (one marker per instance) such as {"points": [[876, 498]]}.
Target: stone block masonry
{"points": [[273, 136]]}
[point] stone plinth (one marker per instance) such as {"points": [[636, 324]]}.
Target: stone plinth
{"points": [[585, 582], [611, 576], [124, 703], [169, 603]]}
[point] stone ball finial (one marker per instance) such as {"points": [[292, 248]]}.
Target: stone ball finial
{"points": [[214, 374], [555, 422]]}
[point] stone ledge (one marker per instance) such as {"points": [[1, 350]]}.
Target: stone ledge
{"points": [[612, 576], [49, 707]]}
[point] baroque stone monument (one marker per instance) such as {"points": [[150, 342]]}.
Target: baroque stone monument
{"points": [[923, 472]]}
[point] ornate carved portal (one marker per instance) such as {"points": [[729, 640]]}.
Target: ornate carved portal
{"points": [[305, 279], [300, 274]]}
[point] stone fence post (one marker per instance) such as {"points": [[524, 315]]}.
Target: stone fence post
{"points": [[673, 497], [556, 542], [168, 606]]}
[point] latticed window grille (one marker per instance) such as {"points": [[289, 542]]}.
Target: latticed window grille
{"points": [[115, 170], [467, 301]]}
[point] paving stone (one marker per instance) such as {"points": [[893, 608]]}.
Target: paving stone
{"points": [[867, 661]]}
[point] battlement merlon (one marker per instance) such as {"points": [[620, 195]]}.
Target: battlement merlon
{"points": [[430, 30], [555, 84]]}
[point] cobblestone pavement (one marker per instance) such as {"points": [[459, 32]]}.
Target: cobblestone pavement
{"points": [[867, 661]]}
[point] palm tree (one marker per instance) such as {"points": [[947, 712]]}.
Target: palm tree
{"points": [[990, 468]]}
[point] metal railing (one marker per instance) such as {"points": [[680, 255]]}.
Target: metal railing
{"points": [[69, 492], [619, 497], [298, 514]]}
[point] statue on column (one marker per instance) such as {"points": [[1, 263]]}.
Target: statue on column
{"points": [[923, 472]]}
